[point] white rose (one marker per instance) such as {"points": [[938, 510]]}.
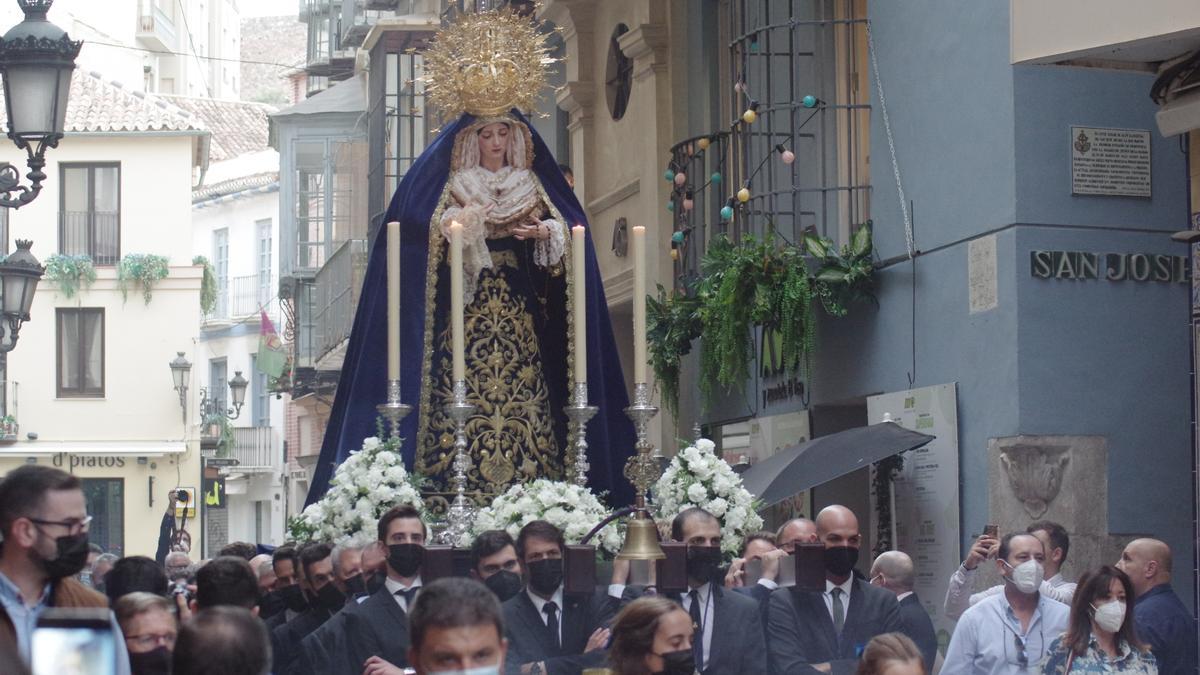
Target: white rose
{"points": [[696, 492], [718, 506], [705, 445], [371, 443]]}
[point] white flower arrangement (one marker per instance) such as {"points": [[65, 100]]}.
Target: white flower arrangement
{"points": [[697, 477], [363, 488], [573, 509]]}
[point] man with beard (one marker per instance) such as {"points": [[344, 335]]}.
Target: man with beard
{"points": [[547, 631], [1008, 633], [494, 562], [44, 521], [811, 631], [377, 630], [327, 597]]}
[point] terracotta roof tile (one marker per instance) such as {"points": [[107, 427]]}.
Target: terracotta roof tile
{"points": [[234, 186], [238, 127], [99, 105]]}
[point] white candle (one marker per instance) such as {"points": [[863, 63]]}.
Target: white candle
{"points": [[580, 299], [639, 304], [456, 301], [393, 291]]}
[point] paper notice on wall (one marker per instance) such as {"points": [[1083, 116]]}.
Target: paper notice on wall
{"points": [[926, 491]]}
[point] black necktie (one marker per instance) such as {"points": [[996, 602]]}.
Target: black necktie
{"points": [[409, 595], [551, 611], [698, 624]]}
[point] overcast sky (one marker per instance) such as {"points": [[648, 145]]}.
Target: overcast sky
{"points": [[269, 7]]}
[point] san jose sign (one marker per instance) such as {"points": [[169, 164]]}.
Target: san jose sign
{"points": [[1081, 265]]}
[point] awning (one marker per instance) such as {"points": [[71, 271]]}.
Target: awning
{"points": [[95, 448], [820, 460]]}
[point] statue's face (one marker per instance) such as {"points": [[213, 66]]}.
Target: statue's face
{"points": [[493, 144]]}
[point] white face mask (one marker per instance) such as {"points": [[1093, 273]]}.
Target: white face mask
{"points": [[1027, 577], [481, 670], [1110, 616]]}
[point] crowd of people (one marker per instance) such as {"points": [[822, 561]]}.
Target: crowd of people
{"points": [[348, 609]]}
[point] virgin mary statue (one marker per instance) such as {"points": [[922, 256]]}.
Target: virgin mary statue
{"points": [[491, 172]]}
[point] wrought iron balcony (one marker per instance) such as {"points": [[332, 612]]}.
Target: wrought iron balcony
{"points": [[96, 234], [336, 290], [256, 450], [242, 297]]}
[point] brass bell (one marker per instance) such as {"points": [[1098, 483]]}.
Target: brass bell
{"points": [[641, 541]]}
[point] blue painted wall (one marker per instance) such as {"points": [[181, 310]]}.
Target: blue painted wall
{"points": [[983, 148]]}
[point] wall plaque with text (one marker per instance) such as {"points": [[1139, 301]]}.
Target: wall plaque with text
{"points": [[1111, 162]]}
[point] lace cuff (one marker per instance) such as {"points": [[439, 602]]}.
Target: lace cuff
{"points": [[547, 252], [476, 257]]}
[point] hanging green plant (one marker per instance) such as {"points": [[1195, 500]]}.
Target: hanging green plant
{"points": [[753, 283], [142, 269], [208, 285], [70, 273]]}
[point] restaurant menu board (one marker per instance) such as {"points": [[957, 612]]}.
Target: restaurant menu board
{"points": [[926, 491]]}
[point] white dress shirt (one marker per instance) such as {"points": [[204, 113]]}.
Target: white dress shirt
{"points": [[988, 639], [828, 596], [539, 603], [704, 593], [394, 587]]}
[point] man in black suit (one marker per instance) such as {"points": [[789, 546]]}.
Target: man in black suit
{"points": [[547, 631], [328, 597], [287, 586], [494, 563], [810, 631], [323, 651], [377, 630], [893, 571], [729, 632]]}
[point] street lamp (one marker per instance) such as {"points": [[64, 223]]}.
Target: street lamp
{"points": [[237, 394], [19, 277], [36, 61], [181, 371]]}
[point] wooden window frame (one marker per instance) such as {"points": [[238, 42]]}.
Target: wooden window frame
{"points": [[58, 363]]}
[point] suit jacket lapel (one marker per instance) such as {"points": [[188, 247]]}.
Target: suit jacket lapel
{"points": [[816, 607], [721, 628], [392, 608], [535, 625]]}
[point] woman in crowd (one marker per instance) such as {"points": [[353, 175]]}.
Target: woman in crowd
{"points": [[652, 635], [1101, 637], [149, 627], [891, 654]]}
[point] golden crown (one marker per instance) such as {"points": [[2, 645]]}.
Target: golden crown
{"points": [[486, 64]]}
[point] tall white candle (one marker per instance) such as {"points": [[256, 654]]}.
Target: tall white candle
{"points": [[456, 301], [639, 304], [393, 300], [580, 300]]}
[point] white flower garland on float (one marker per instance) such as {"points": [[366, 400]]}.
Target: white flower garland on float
{"points": [[571, 508]]}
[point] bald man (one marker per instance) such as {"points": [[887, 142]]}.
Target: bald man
{"points": [[824, 632], [796, 531], [894, 571], [1161, 618]]}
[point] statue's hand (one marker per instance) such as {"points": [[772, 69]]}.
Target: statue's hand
{"points": [[538, 231]]}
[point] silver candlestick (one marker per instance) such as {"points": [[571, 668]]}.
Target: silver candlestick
{"points": [[393, 410], [642, 469], [461, 515], [579, 412]]}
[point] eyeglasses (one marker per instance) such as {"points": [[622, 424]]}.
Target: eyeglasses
{"points": [[73, 525], [1022, 655], [149, 640]]}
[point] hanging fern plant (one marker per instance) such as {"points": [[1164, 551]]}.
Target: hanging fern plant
{"points": [[70, 273], [754, 283], [142, 269], [208, 285]]}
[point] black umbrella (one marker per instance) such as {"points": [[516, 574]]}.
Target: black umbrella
{"points": [[820, 460]]}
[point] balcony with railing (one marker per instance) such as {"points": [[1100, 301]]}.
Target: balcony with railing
{"points": [[240, 298], [155, 28], [256, 449], [336, 290], [96, 234]]}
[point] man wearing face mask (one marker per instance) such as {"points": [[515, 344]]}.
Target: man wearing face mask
{"points": [[457, 628], [1009, 633], [548, 631], [893, 570], [494, 562], [287, 593], [322, 651], [327, 597], [1161, 618], [44, 521], [1055, 541], [811, 631], [377, 630], [728, 626]]}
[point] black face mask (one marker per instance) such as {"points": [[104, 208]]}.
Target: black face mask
{"points": [[271, 604], [504, 584], [355, 586], [330, 598], [72, 556], [154, 662], [546, 575], [703, 562], [678, 663], [405, 559], [293, 598], [376, 581], [840, 560]]}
